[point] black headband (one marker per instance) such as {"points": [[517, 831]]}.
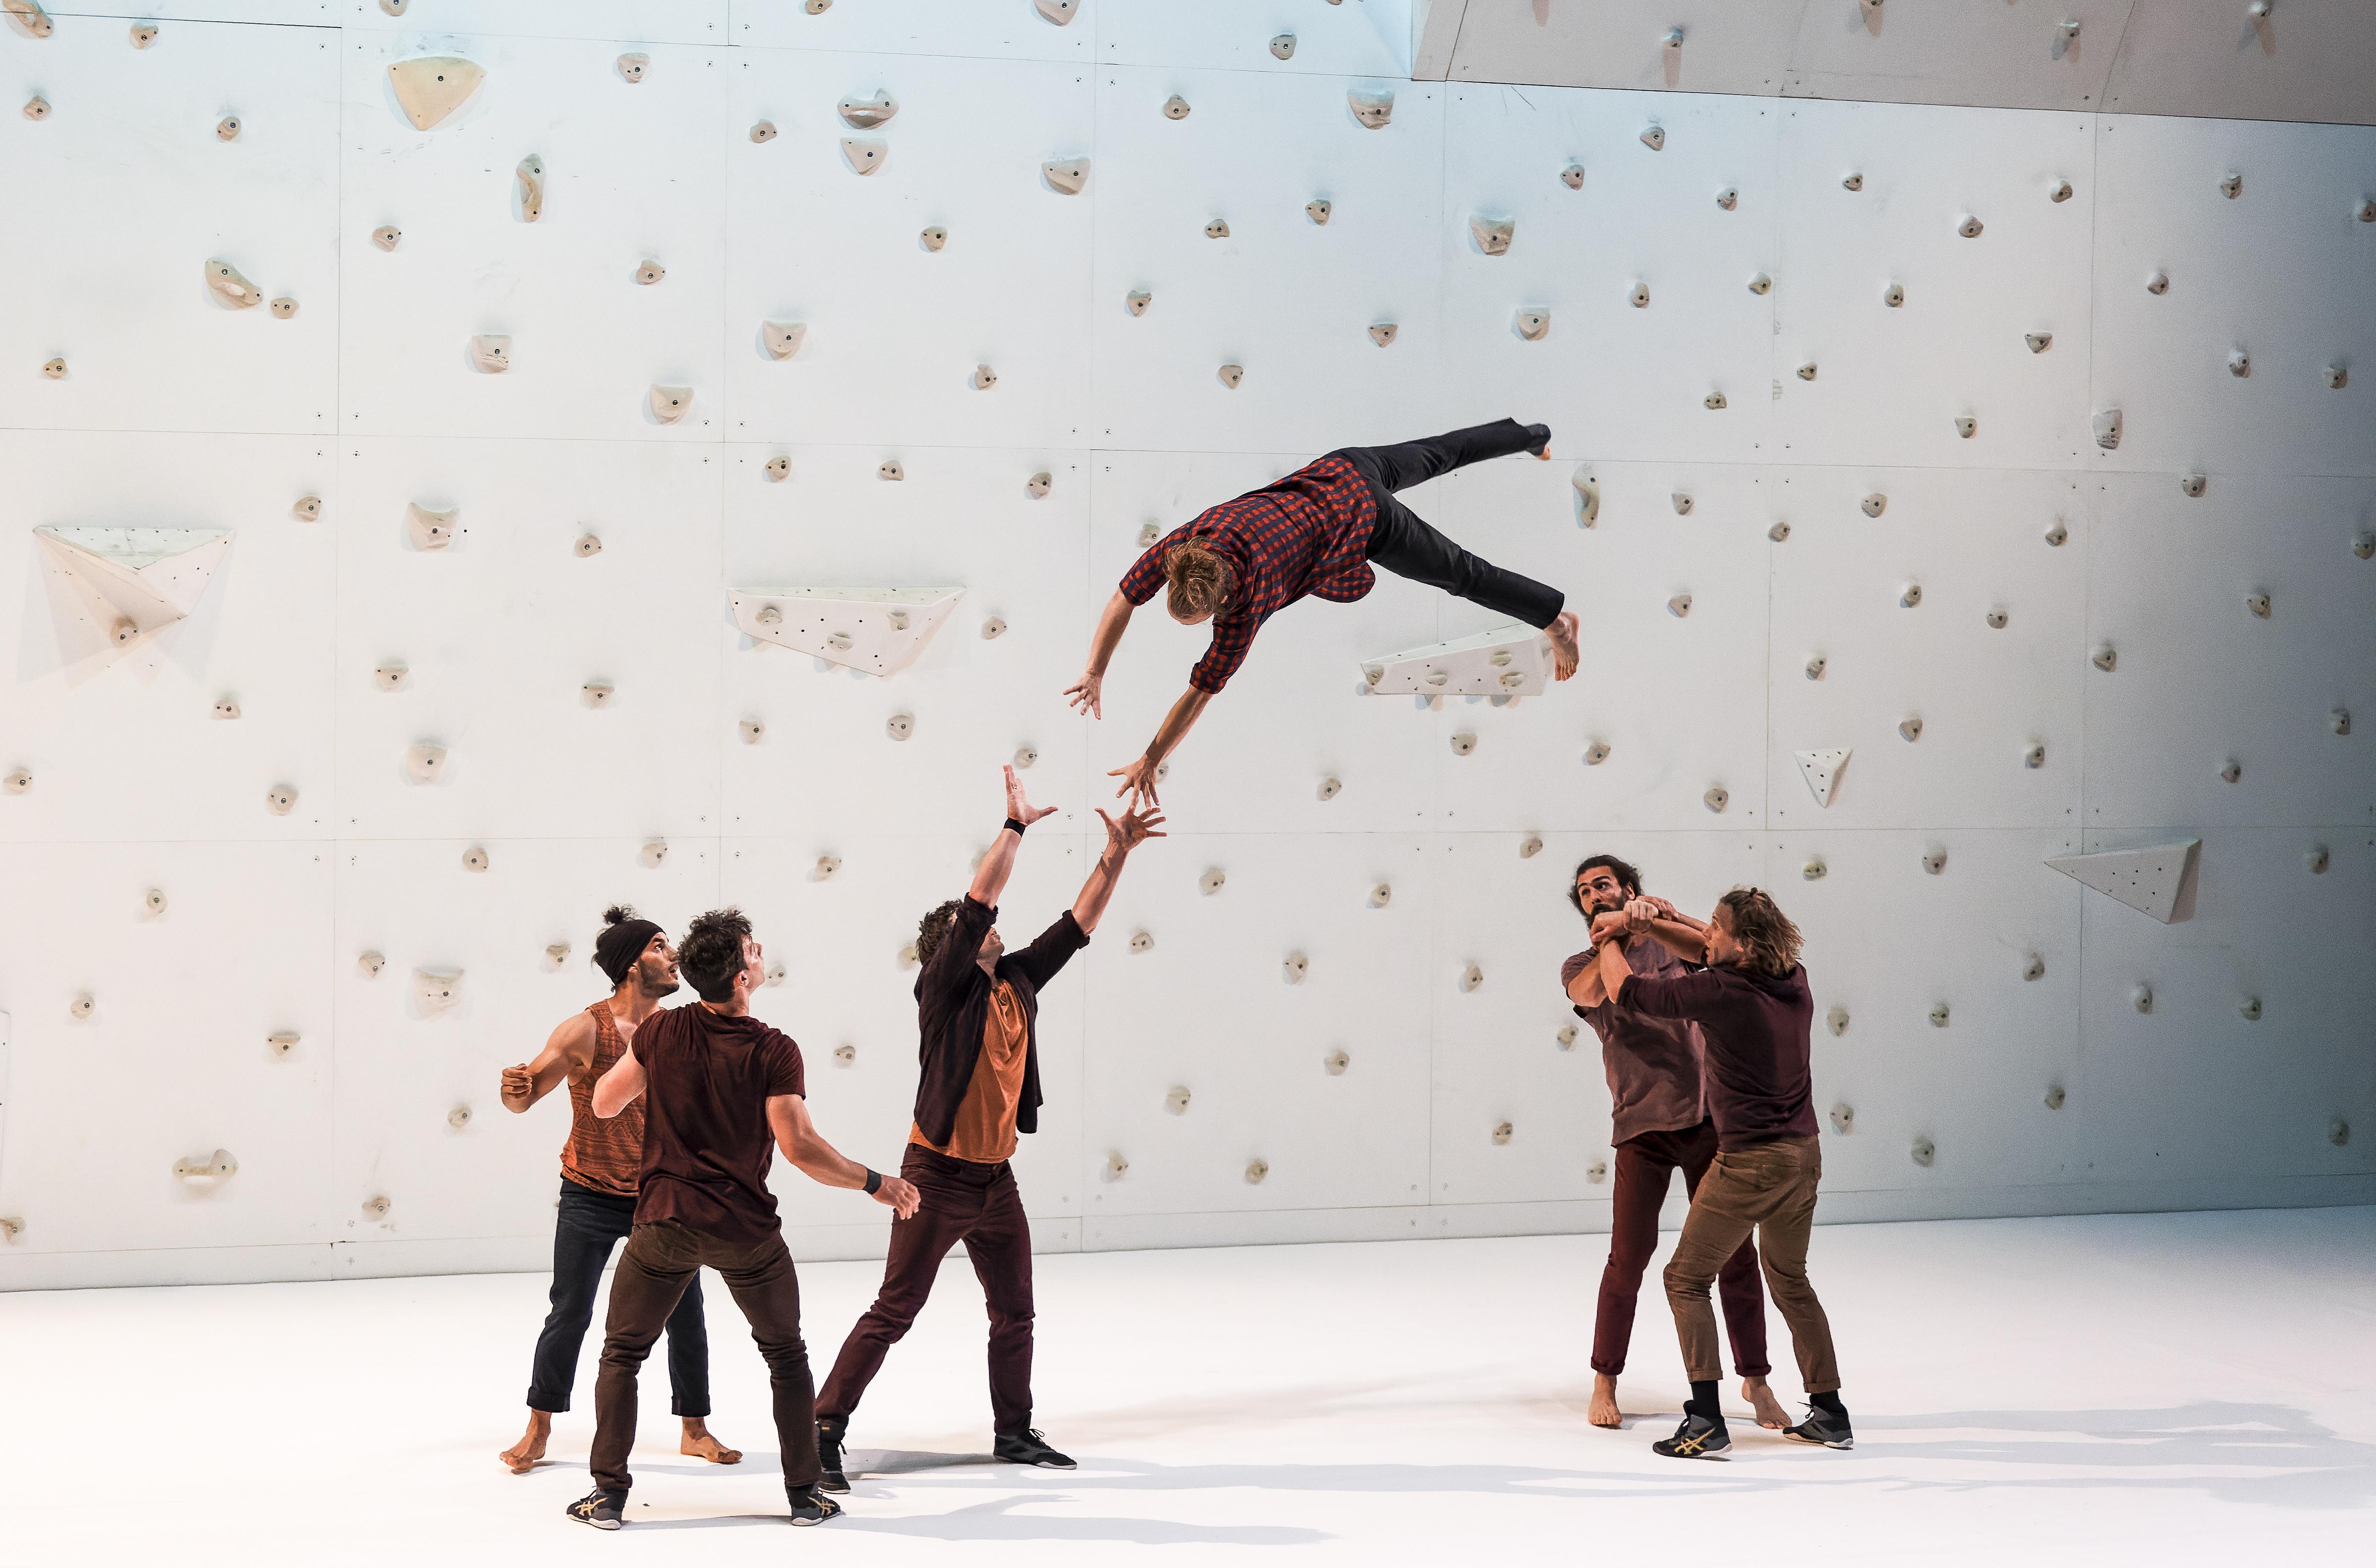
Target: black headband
{"points": [[619, 947]]}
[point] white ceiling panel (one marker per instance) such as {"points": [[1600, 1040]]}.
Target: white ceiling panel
{"points": [[2310, 60]]}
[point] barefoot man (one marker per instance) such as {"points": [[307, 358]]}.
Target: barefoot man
{"points": [[978, 1007], [602, 1166], [1317, 531], [1658, 1097]]}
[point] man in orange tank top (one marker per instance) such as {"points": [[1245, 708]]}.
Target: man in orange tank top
{"points": [[977, 1008], [600, 1167]]}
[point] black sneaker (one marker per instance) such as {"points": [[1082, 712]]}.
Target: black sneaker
{"points": [[1829, 1428], [603, 1510], [1537, 438], [1697, 1438], [1030, 1448], [829, 1436], [808, 1508]]}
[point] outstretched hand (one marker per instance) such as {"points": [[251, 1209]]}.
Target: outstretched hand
{"points": [[1132, 828], [1137, 781], [1085, 695], [1018, 806]]}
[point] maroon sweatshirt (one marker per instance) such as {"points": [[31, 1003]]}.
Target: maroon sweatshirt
{"points": [[1758, 1030]]}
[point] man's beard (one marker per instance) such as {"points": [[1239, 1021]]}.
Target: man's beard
{"points": [[652, 984], [1593, 906]]}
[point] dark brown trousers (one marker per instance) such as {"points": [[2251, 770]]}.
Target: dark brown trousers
{"points": [[967, 1201], [1646, 1167], [1768, 1188], [660, 1259]]}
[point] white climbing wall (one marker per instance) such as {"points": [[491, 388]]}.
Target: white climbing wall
{"points": [[1795, 520]]}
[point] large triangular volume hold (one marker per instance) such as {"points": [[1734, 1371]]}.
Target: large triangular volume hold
{"points": [[433, 87], [126, 584], [1822, 771], [1512, 661], [2147, 880], [879, 631]]}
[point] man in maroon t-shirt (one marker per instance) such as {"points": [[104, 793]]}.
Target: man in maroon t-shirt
{"points": [[1317, 531], [721, 1092]]}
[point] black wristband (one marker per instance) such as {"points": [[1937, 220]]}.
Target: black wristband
{"points": [[874, 1183], [1014, 827]]}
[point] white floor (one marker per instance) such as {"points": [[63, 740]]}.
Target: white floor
{"points": [[2108, 1390]]}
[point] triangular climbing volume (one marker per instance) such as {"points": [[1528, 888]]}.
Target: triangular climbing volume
{"points": [[2147, 880], [1512, 661], [126, 584], [879, 631], [1822, 771]]}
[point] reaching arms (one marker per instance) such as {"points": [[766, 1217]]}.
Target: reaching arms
{"points": [[568, 1050], [1677, 931], [796, 1136], [1122, 835], [1138, 776], [1086, 694], [621, 1087], [990, 877]]}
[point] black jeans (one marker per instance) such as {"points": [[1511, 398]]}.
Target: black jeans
{"points": [[1407, 546], [590, 1224]]}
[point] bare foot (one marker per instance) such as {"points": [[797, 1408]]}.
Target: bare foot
{"points": [[701, 1445], [522, 1456], [1603, 1411], [1562, 633], [1770, 1413]]}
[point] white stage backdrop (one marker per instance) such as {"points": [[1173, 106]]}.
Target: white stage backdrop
{"points": [[353, 1148]]}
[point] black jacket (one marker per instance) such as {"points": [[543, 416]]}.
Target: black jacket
{"points": [[953, 1009]]}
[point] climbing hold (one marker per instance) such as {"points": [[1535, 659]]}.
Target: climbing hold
{"points": [[143, 34], [1876, 503], [556, 955], [82, 1006], [2239, 363], [1318, 209], [2192, 484], [1655, 139], [651, 272], [2317, 861], [2157, 283], [492, 352], [281, 1043], [229, 287], [1373, 107], [2038, 341], [1673, 41], [430, 87], [764, 130], [1218, 229], [753, 732], [474, 859], [933, 238], [1137, 300], [391, 677], [1039, 484], [1231, 375], [55, 368], [1996, 619], [1894, 296], [1256, 1171], [1717, 798], [428, 529], [1493, 235], [376, 1208], [1530, 846], [1176, 1101], [459, 1118], [1471, 978], [1680, 605], [2231, 184], [1335, 1061], [1807, 371], [1502, 1132], [226, 708], [1714, 400], [388, 236], [2339, 1132], [2338, 378], [425, 763], [1596, 752], [597, 694], [1842, 1117], [825, 867], [670, 404], [984, 378], [2105, 657], [280, 800], [653, 854], [227, 128], [1057, 11], [1968, 427], [866, 154], [1934, 861], [1969, 228], [1175, 108], [1837, 1019], [2339, 722], [1381, 894], [779, 469], [284, 307], [1924, 1151], [1565, 1036], [2142, 999], [1780, 532], [1587, 491], [2061, 191], [2365, 211], [1294, 967], [783, 338], [1814, 869], [588, 545], [2258, 603], [2147, 880], [1283, 46], [1068, 177], [2107, 428], [2033, 754], [1572, 176], [1116, 1167], [1683, 503], [2250, 1009], [36, 108], [1727, 198], [1464, 743], [216, 1166], [868, 112], [2056, 533], [1213, 881], [631, 66], [371, 963], [2231, 771], [1760, 283], [1640, 297], [1331, 788], [1909, 596], [1939, 1015], [394, 7], [2364, 546], [1384, 333], [993, 627], [155, 902], [1822, 770], [307, 509], [1147, 535], [1533, 324], [1852, 181], [436, 991], [1141, 942], [530, 176], [899, 726]]}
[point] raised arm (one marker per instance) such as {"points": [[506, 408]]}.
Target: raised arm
{"points": [[796, 1136], [990, 877], [621, 1087], [1138, 776], [1086, 694], [1122, 835], [567, 1051], [1676, 931]]}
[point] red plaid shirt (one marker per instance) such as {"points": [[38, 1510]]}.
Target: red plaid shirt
{"points": [[1308, 533]]}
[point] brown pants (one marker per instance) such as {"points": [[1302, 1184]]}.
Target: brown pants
{"points": [[1646, 1167], [963, 1200], [661, 1257], [1768, 1188]]}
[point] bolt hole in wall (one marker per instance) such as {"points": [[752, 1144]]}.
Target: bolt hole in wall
{"points": [[544, 542]]}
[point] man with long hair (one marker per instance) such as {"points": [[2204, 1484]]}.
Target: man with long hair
{"points": [[1753, 1007], [1318, 531]]}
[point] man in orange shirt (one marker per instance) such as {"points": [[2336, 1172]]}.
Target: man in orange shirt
{"points": [[977, 1006]]}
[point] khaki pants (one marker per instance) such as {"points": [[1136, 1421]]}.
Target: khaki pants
{"points": [[1767, 1188]]}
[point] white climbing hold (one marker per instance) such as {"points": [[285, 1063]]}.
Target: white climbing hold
{"points": [[1231, 375], [1680, 605], [2157, 282], [2147, 880], [1717, 798], [55, 368], [879, 631], [783, 338], [1640, 296], [428, 528], [2339, 722], [1813, 870], [653, 854], [388, 236], [1331, 788], [1213, 881], [528, 174], [2142, 999], [631, 66], [227, 128], [2231, 771], [935, 238], [1807, 371], [1713, 401], [1843, 1117], [1966, 427], [1683, 503], [280, 800], [1530, 846], [492, 352], [1294, 967], [216, 1165], [993, 627], [1910, 728], [1335, 1061], [1175, 108], [1852, 181], [1283, 46], [2108, 429], [430, 87], [376, 1208], [983, 378], [307, 509], [1939, 1017], [283, 308], [1039, 484], [2061, 191], [2105, 657], [1924, 1151], [1502, 1133], [1655, 139], [1780, 532], [474, 859], [1256, 1171], [371, 963], [2033, 754], [597, 694], [1534, 324], [1384, 333], [143, 34], [126, 584], [1969, 227], [1822, 770], [1472, 666], [226, 285], [1727, 198], [1319, 210], [1587, 491], [778, 468], [588, 545], [425, 763], [1894, 296], [226, 708], [763, 131], [866, 154], [2231, 184], [899, 726], [436, 991], [1909, 596], [868, 112], [2056, 533], [2239, 364], [668, 404], [1760, 283], [1471, 978], [1493, 234], [2193, 485], [2337, 377], [1057, 11], [2316, 861], [2038, 341], [1373, 107], [2250, 1009], [1381, 894], [753, 732], [650, 272], [2258, 604], [1068, 176], [1137, 300], [1837, 1019]]}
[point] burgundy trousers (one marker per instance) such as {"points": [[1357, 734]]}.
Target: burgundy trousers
{"points": [[1646, 1166], [964, 1200]]}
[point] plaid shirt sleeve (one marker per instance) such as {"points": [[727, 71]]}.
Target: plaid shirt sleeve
{"points": [[1232, 635], [1144, 577]]}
